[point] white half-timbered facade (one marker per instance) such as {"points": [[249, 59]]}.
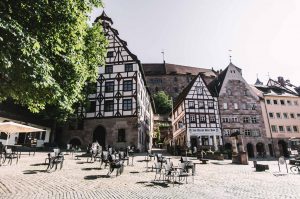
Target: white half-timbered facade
{"points": [[121, 104], [196, 120]]}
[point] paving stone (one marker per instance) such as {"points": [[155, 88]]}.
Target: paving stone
{"points": [[78, 179]]}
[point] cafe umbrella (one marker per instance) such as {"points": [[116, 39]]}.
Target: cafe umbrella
{"points": [[12, 128]]}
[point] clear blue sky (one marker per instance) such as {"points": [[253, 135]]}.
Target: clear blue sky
{"points": [[264, 35]]}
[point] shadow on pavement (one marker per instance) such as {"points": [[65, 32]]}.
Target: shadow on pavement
{"points": [[89, 169], [39, 164], [134, 172], [94, 177], [154, 184], [34, 171]]}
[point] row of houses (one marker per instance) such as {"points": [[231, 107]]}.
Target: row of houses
{"points": [[209, 106], [266, 116]]}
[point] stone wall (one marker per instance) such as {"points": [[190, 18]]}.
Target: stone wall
{"points": [[239, 93], [111, 126]]}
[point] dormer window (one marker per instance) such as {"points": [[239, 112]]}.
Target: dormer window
{"points": [[199, 90]]}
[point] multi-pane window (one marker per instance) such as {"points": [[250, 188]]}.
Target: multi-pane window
{"points": [[128, 67], [298, 115], [201, 104], [191, 104], [245, 92], [292, 115], [253, 120], [224, 105], [199, 90], [236, 106], [288, 128], [274, 128], [109, 105], [127, 85], [268, 101], [255, 132], [234, 119], [253, 106], [212, 119], [282, 102], [225, 120], [109, 87], [275, 102], [108, 69], [127, 104], [192, 118], [285, 115], [202, 118], [110, 54], [91, 107], [295, 128], [281, 128], [296, 103], [289, 102], [271, 115], [247, 132], [210, 104], [121, 135], [278, 115], [246, 120], [227, 132]]}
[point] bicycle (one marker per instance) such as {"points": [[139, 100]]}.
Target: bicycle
{"points": [[295, 169]]}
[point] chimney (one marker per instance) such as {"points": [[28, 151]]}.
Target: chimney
{"points": [[281, 81]]}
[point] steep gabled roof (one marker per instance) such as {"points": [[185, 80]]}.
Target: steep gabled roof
{"points": [[103, 18], [216, 85], [186, 90]]}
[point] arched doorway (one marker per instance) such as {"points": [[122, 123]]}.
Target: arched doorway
{"points": [[99, 135], [282, 145], [271, 150], [260, 149], [250, 150], [75, 142], [228, 148]]}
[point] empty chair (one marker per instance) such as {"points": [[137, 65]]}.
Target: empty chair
{"points": [[182, 172], [54, 159], [158, 169], [9, 155]]}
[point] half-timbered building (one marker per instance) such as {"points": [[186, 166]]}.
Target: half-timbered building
{"points": [[196, 119], [120, 111], [241, 112]]}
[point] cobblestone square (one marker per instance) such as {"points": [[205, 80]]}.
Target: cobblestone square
{"points": [[79, 179]]}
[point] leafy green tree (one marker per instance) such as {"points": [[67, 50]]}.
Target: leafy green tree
{"points": [[163, 102], [48, 52]]}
